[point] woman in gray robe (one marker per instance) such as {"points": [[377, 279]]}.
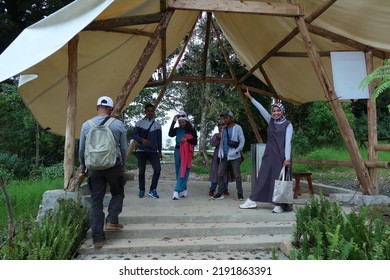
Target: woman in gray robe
{"points": [[276, 155]]}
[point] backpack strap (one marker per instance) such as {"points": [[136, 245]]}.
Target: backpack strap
{"points": [[150, 126], [91, 123], [107, 121]]}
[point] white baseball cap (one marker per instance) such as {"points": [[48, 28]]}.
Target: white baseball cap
{"points": [[105, 101], [182, 116]]}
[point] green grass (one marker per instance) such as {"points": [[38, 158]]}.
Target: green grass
{"points": [[25, 198], [329, 172]]}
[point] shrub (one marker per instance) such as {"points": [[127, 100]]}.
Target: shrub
{"points": [[58, 236], [14, 166], [52, 172], [323, 232]]}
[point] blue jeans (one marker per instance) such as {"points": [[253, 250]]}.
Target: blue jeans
{"points": [[97, 181], [154, 158], [181, 183]]}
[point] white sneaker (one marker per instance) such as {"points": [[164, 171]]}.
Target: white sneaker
{"points": [[277, 209], [248, 204], [184, 194], [175, 195]]}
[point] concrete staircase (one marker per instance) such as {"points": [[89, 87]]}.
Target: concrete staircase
{"points": [[192, 224]]}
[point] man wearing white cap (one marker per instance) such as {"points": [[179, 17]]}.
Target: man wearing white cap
{"points": [[99, 178]]}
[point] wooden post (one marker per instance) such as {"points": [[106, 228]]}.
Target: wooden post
{"points": [[71, 112], [372, 124], [349, 138]]}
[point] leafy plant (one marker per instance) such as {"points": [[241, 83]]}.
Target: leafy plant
{"points": [[54, 171], [58, 236], [324, 232], [382, 73]]}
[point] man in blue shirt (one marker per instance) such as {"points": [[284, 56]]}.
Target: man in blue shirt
{"points": [[148, 134]]}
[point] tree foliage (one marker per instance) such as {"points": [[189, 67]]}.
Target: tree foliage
{"points": [[18, 132], [16, 15], [382, 73]]}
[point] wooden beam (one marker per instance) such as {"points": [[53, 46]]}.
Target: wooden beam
{"points": [[124, 21], [182, 51], [382, 147], [269, 82], [256, 90], [347, 163], [206, 46], [69, 151], [197, 79], [315, 14], [164, 54], [237, 85], [345, 129], [238, 6], [129, 31], [299, 54], [372, 124], [143, 60], [347, 41]]}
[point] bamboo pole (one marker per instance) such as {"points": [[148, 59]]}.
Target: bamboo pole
{"points": [[345, 129], [372, 124], [71, 112]]}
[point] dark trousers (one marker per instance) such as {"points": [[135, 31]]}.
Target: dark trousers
{"points": [[222, 172], [98, 180], [154, 159]]}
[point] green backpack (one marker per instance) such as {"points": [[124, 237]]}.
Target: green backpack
{"points": [[100, 146]]}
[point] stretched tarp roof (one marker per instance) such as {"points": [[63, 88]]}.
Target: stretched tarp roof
{"points": [[113, 35]]}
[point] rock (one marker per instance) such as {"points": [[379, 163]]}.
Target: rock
{"points": [[50, 200], [359, 199]]}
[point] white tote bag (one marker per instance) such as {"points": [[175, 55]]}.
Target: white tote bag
{"points": [[283, 188]]}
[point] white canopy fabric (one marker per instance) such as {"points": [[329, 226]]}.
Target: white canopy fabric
{"points": [[106, 59]]}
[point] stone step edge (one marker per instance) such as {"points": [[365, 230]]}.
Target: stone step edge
{"points": [[161, 226], [175, 230], [182, 244], [128, 219]]}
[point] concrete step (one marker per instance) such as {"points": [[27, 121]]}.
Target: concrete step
{"points": [[193, 224], [185, 244], [173, 230]]}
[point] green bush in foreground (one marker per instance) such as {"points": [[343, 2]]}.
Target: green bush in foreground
{"points": [[323, 232], [58, 236]]}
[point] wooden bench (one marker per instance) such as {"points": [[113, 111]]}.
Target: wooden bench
{"points": [[297, 189]]}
